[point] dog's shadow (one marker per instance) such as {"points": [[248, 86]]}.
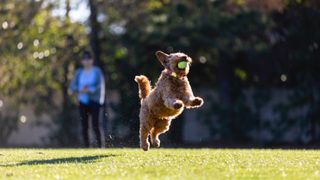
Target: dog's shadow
{"points": [[66, 160]]}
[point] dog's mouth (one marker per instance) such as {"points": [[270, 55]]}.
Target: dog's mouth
{"points": [[180, 73], [179, 66], [182, 67]]}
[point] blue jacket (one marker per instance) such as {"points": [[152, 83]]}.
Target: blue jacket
{"points": [[96, 91]]}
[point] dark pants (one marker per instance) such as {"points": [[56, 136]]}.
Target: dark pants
{"points": [[92, 109]]}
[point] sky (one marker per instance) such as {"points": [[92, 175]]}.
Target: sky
{"points": [[79, 10]]}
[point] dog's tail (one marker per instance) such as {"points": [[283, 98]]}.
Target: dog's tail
{"points": [[144, 86]]}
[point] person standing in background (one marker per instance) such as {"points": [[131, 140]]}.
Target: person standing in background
{"points": [[89, 86]]}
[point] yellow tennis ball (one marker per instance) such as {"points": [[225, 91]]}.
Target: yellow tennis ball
{"points": [[182, 64]]}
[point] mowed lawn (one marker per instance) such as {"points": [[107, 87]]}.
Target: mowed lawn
{"points": [[159, 164]]}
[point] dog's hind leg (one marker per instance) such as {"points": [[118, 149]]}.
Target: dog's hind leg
{"points": [[145, 127], [144, 133], [160, 126]]}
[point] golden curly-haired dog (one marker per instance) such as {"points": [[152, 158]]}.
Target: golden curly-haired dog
{"points": [[167, 99]]}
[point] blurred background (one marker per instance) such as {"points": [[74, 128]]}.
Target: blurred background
{"points": [[256, 64]]}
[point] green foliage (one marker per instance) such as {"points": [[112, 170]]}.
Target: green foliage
{"points": [[235, 46], [36, 64]]}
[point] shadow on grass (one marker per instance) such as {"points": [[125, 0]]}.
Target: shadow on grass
{"points": [[67, 160]]}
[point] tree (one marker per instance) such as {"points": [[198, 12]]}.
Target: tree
{"points": [[34, 71], [233, 48]]}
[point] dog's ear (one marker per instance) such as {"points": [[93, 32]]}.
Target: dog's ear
{"points": [[162, 57]]}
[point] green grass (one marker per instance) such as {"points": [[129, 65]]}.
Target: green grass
{"points": [[159, 164]]}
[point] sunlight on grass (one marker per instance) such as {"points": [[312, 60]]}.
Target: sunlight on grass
{"points": [[160, 163]]}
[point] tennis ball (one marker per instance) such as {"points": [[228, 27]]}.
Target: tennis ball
{"points": [[182, 64]]}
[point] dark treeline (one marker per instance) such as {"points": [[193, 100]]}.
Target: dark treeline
{"points": [[261, 47]]}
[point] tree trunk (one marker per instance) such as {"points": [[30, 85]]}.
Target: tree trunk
{"points": [[96, 49], [94, 33]]}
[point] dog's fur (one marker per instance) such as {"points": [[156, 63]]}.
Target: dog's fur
{"points": [[166, 100]]}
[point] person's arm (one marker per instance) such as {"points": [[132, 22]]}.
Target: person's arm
{"points": [[97, 85]]}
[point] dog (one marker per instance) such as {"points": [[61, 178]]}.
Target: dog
{"points": [[171, 94]]}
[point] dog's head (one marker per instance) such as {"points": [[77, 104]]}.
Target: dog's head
{"points": [[178, 63]]}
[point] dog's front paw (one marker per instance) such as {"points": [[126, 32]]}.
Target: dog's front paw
{"points": [[177, 105], [197, 102]]}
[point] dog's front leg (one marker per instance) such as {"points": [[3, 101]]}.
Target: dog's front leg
{"points": [[189, 100], [193, 102], [173, 103]]}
